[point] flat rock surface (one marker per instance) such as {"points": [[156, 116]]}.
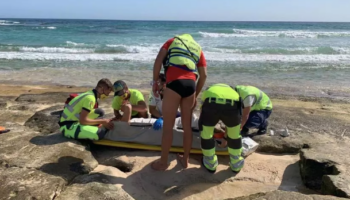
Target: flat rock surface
{"points": [[46, 121], [24, 183], [97, 185], [49, 97], [283, 195], [52, 154], [38, 165], [261, 173]]}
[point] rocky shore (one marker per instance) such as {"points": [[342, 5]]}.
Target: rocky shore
{"points": [[37, 162]]}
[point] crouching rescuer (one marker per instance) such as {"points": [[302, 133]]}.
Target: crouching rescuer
{"points": [[79, 119], [221, 102]]}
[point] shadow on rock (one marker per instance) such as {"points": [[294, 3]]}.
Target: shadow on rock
{"points": [[52, 139], [290, 177], [149, 184], [66, 167]]}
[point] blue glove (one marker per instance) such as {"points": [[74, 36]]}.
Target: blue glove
{"points": [[158, 124], [178, 114]]}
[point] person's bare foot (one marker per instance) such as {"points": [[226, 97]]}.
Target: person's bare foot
{"points": [[182, 160], [159, 166]]}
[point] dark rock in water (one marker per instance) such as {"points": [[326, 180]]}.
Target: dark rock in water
{"points": [[51, 154], [45, 121], [49, 97], [283, 195], [97, 186], [26, 183], [326, 166]]}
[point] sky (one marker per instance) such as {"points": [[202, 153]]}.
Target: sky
{"points": [[187, 10]]}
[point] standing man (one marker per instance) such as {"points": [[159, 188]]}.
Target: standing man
{"points": [[129, 101], [79, 119], [184, 63], [221, 102], [257, 109]]}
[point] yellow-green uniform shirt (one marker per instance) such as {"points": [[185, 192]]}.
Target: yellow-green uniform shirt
{"points": [[84, 101], [135, 97]]}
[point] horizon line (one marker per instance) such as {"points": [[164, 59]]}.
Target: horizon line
{"points": [[174, 20]]}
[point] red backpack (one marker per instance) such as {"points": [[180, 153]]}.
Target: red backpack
{"points": [[73, 95]]}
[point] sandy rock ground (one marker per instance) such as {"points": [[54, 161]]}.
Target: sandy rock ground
{"points": [[36, 162]]}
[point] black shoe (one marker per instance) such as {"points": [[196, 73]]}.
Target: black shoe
{"points": [[244, 132], [236, 172], [209, 170], [263, 131]]}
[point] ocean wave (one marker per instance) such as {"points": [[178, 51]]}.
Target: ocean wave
{"points": [[286, 33], [74, 43], [73, 47], [282, 51], [76, 48], [135, 49], [149, 57], [55, 50], [8, 23], [51, 27]]}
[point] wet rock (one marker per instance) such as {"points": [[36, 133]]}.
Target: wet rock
{"points": [[283, 195], [45, 121], [101, 185], [326, 167], [25, 183], [49, 97], [52, 154]]}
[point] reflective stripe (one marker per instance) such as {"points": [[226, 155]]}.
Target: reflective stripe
{"points": [[234, 157], [64, 115], [237, 165], [260, 97], [77, 115], [212, 166], [268, 103], [209, 157], [71, 107]]}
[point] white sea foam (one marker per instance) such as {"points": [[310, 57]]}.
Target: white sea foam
{"points": [[8, 23], [137, 49], [285, 33], [74, 43], [149, 57], [55, 50], [281, 50], [51, 27]]}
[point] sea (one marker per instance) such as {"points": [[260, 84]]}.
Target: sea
{"points": [[294, 58]]}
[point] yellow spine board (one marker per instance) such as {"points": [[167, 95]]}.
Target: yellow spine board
{"points": [[149, 147]]}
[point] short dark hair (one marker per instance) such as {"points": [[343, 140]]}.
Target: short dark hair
{"points": [[105, 82]]}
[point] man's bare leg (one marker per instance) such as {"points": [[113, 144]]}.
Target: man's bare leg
{"points": [[170, 105], [186, 119]]}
